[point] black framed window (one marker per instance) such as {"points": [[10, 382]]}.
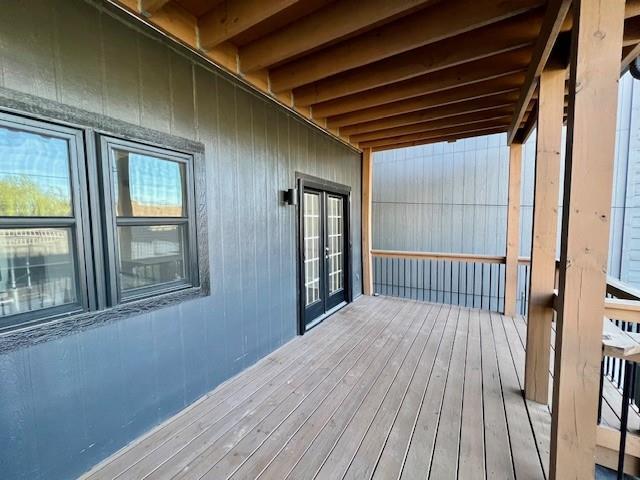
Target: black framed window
{"points": [[151, 219], [90, 221], [43, 227]]}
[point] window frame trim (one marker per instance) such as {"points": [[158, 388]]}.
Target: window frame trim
{"points": [[28, 107], [106, 144], [77, 223]]}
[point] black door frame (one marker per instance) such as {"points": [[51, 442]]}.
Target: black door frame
{"points": [[303, 180]]}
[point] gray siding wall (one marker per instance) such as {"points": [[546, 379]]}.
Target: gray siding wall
{"points": [[452, 197], [67, 404]]}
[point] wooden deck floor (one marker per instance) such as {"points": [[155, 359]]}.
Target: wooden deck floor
{"points": [[385, 389]]}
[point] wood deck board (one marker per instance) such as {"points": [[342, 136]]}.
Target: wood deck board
{"points": [[386, 388]]}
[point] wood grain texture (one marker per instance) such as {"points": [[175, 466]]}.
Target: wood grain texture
{"points": [[591, 132], [513, 228], [411, 390], [544, 234]]}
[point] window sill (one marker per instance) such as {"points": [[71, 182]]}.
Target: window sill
{"points": [[20, 336]]}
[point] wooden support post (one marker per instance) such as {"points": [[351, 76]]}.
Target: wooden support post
{"points": [[513, 229], [591, 131], [367, 187], [544, 235]]}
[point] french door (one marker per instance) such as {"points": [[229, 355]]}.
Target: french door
{"points": [[324, 251]]}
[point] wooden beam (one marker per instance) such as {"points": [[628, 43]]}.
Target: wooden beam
{"points": [[629, 54], [482, 43], [544, 234], [445, 138], [367, 212], [232, 17], [444, 132], [149, 7], [513, 229], [500, 115], [528, 125], [453, 257], [503, 101], [502, 85], [554, 17], [454, 77], [591, 133], [430, 25], [328, 24]]}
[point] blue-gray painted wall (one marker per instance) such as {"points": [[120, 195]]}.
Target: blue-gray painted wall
{"points": [[67, 404], [452, 197]]}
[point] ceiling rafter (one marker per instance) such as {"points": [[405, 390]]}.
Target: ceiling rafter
{"points": [[502, 85], [466, 74], [502, 101], [445, 138], [503, 37], [428, 26], [336, 20], [554, 17], [443, 132], [232, 17], [496, 114]]}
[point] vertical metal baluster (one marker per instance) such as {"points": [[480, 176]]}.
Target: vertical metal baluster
{"points": [[490, 284], [450, 283], [473, 291]]}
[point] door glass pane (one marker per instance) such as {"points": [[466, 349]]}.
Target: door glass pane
{"points": [[312, 247], [151, 255], [335, 236], [34, 175], [147, 186], [36, 269]]}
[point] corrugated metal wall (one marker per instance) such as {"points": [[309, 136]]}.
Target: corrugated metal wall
{"points": [[66, 404], [452, 197]]}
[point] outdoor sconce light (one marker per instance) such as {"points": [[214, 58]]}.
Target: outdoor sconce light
{"points": [[289, 196]]}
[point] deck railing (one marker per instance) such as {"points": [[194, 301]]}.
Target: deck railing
{"points": [[475, 281]]}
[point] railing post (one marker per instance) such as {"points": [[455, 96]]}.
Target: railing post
{"points": [[367, 187], [544, 234], [588, 178], [513, 229]]}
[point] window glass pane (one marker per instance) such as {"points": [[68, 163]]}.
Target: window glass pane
{"points": [[151, 255], [147, 186], [34, 175], [312, 254], [36, 269]]}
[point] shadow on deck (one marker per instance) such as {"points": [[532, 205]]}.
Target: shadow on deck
{"points": [[386, 388]]}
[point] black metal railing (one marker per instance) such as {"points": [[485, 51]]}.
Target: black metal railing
{"points": [[524, 278], [473, 282]]}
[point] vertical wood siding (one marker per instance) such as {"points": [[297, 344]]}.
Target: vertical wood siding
{"points": [[68, 403], [452, 197]]}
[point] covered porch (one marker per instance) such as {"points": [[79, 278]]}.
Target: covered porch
{"points": [[385, 388]]}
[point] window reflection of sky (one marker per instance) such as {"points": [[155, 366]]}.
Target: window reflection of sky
{"points": [[154, 181], [43, 160]]}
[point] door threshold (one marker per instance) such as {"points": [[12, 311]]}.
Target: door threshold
{"points": [[326, 314]]}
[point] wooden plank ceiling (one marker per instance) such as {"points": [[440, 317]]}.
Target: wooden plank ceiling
{"points": [[386, 74]]}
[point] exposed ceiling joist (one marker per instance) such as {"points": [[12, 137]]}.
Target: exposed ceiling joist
{"points": [[430, 25], [555, 15], [232, 17], [149, 7], [502, 85], [444, 132], [458, 76], [529, 124], [446, 138], [482, 43], [629, 54], [335, 21], [500, 101], [498, 115]]}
